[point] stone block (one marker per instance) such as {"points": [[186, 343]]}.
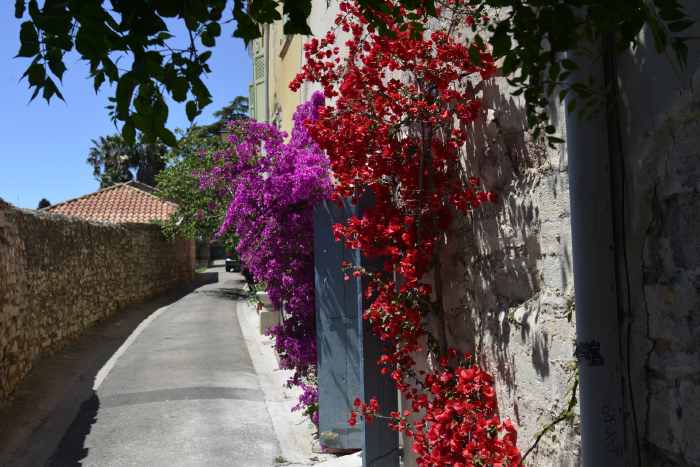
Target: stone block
{"points": [[268, 319]]}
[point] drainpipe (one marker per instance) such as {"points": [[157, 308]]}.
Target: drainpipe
{"points": [[268, 80], [598, 312]]}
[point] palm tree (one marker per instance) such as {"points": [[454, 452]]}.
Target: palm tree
{"points": [[110, 158], [115, 161], [148, 159]]}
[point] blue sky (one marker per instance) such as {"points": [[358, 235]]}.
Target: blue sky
{"points": [[43, 147]]}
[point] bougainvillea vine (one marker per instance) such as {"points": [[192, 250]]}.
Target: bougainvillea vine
{"points": [[273, 187], [399, 112]]}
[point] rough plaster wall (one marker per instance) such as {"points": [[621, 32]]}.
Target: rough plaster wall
{"points": [[507, 274], [661, 145], [58, 276]]}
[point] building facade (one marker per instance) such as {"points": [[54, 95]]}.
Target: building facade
{"points": [[276, 59]]}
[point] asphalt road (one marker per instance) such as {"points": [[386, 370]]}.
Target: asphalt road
{"points": [[181, 390]]}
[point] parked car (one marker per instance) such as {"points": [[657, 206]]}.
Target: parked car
{"points": [[232, 263]]}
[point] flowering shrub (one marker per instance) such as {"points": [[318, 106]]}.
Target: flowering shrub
{"points": [[402, 104], [273, 187]]}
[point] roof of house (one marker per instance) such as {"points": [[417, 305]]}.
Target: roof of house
{"points": [[130, 202]]}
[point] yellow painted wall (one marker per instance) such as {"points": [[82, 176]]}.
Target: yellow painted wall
{"points": [[284, 64], [278, 59]]}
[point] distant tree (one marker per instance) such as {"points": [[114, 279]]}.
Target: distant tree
{"points": [[114, 160], [43, 203], [109, 157], [200, 212], [237, 109]]}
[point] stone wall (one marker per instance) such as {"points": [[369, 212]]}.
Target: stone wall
{"points": [[661, 149], [58, 276], [508, 288]]}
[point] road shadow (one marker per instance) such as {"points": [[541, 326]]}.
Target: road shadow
{"points": [[71, 449], [55, 406]]}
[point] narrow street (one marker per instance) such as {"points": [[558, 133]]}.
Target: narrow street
{"points": [[180, 390]]}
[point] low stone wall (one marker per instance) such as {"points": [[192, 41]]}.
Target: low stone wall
{"points": [[59, 276]]}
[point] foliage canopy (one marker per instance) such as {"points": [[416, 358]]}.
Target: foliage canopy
{"points": [[115, 160], [200, 212], [104, 32]]}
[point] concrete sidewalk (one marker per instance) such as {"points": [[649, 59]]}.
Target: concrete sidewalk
{"points": [[293, 430], [182, 381]]}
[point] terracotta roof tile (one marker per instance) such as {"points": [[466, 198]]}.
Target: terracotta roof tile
{"points": [[130, 202]]}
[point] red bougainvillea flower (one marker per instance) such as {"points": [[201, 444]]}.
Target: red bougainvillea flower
{"points": [[398, 110]]}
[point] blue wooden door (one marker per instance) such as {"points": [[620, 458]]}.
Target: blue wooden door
{"points": [[347, 351], [337, 327]]}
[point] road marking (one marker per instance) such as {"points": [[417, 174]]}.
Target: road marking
{"points": [[107, 367]]}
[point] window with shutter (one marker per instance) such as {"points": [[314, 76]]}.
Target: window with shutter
{"points": [[259, 81]]}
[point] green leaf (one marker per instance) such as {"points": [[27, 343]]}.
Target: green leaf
{"points": [[110, 69], [28, 49], [179, 89], [246, 28], [125, 91], [167, 136], [679, 26], [34, 11], [658, 34], [554, 71], [51, 90], [555, 140], [214, 29], [164, 36], [29, 40], [201, 93], [571, 106], [569, 64], [160, 112], [36, 74], [474, 56], [501, 42], [56, 65], [509, 64], [191, 110], [86, 43], [61, 41], [98, 80], [204, 56], [19, 8], [562, 94], [129, 132], [28, 32], [207, 39]]}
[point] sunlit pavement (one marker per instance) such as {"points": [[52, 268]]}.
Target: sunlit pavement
{"points": [[180, 390]]}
